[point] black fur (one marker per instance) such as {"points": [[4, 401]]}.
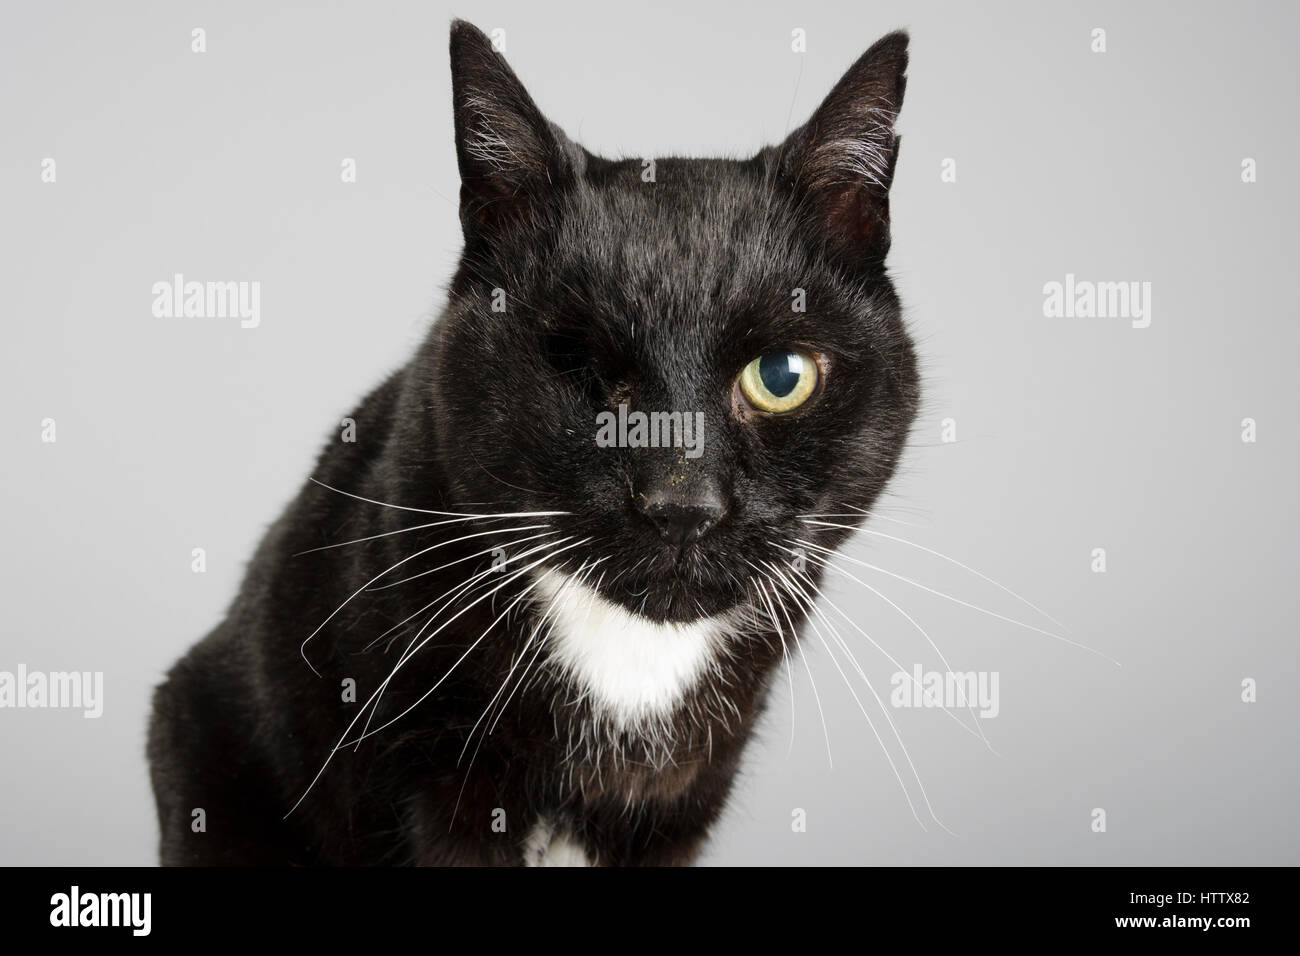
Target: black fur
{"points": [[618, 290]]}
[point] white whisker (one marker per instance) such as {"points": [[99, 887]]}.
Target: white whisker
{"points": [[343, 741], [920, 547], [426, 511], [803, 655], [495, 547], [956, 600], [302, 648], [811, 602], [789, 589], [406, 657], [977, 732], [418, 527], [771, 611], [460, 590]]}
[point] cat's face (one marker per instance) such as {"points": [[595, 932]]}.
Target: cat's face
{"points": [[749, 297]]}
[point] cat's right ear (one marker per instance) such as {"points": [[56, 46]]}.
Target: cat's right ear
{"points": [[510, 156]]}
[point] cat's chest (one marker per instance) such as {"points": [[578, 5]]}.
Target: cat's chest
{"points": [[551, 845], [634, 671]]}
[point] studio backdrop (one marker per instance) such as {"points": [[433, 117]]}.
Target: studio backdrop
{"points": [[1069, 630]]}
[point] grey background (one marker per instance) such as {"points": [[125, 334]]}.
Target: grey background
{"points": [[1073, 433]]}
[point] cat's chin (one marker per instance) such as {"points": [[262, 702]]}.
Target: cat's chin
{"points": [[673, 601]]}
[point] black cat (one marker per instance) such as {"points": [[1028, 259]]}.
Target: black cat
{"points": [[562, 560]]}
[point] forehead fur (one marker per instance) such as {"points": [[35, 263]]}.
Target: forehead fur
{"points": [[707, 242]]}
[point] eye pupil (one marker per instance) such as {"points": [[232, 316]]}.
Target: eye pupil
{"points": [[780, 372], [778, 381]]}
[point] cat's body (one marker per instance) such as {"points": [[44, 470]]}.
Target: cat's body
{"points": [[260, 723], [583, 678]]}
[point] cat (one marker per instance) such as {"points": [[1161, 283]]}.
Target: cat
{"points": [[478, 636]]}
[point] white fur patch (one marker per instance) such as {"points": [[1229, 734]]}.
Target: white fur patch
{"points": [[547, 846], [632, 668]]}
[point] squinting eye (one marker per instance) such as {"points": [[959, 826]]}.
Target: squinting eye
{"points": [[779, 381]]}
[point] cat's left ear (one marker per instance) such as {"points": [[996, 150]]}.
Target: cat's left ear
{"points": [[840, 164], [510, 156]]}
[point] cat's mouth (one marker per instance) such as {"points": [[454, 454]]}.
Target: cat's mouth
{"points": [[682, 588]]}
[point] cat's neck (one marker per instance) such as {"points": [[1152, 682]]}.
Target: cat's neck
{"points": [[633, 670]]}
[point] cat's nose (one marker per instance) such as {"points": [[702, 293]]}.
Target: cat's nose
{"points": [[683, 519]]}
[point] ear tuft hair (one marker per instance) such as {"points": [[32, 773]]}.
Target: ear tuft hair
{"points": [[841, 162], [508, 153]]}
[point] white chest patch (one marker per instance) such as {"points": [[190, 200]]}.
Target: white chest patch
{"points": [[548, 846], [632, 668]]}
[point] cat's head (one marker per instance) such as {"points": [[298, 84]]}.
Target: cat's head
{"points": [[749, 296]]}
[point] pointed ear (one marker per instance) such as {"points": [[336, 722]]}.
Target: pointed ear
{"points": [[840, 164], [510, 157]]}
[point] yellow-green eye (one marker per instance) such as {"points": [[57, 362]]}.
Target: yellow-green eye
{"points": [[779, 381]]}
